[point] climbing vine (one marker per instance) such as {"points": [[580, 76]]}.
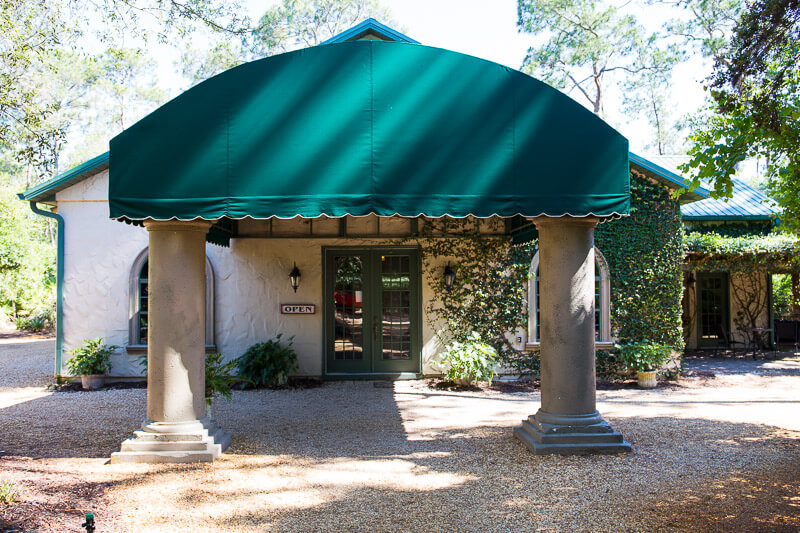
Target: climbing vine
{"points": [[644, 253], [488, 295], [775, 252]]}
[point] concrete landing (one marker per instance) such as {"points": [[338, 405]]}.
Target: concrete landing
{"points": [[543, 439], [204, 444]]}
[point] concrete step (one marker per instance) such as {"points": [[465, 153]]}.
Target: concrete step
{"points": [[136, 445], [163, 457], [170, 437]]}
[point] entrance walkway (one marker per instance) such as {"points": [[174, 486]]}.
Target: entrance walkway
{"points": [[709, 454], [767, 364]]}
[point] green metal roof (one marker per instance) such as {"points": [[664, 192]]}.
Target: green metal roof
{"points": [[746, 203], [668, 177], [369, 127], [46, 192]]}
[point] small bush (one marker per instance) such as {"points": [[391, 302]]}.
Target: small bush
{"points": [[610, 366], [469, 361], [644, 356], [219, 380], [9, 493], [93, 357], [268, 364]]}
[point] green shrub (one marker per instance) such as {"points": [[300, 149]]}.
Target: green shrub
{"points": [[43, 320], [268, 363], [219, 380], [93, 357], [644, 356], [473, 360], [610, 366], [9, 493]]}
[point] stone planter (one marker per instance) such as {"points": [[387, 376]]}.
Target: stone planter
{"points": [[647, 380], [92, 381]]}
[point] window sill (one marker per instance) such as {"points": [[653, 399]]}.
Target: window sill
{"points": [[141, 349], [598, 345]]}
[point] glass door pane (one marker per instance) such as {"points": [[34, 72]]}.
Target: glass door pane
{"points": [[395, 289], [348, 296]]}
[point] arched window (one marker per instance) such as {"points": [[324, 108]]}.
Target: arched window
{"points": [[139, 298], [602, 302]]}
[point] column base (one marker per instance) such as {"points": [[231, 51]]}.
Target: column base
{"points": [[185, 442], [549, 433]]}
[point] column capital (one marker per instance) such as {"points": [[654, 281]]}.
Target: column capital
{"points": [[177, 225], [565, 220]]}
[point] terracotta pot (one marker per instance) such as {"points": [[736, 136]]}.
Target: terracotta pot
{"points": [[647, 380], [92, 381]]}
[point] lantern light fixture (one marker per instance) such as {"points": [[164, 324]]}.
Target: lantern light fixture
{"points": [[294, 277], [449, 276]]}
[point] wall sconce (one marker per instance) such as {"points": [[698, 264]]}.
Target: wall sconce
{"points": [[294, 277], [449, 276]]}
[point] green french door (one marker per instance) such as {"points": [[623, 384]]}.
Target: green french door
{"points": [[372, 310], [712, 307]]}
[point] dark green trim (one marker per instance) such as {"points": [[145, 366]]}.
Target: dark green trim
{"points": [[728, 217], [726, 307], [668, 178], [370, 25], [371, 286], [377, 376], [47, 191], [59, 285]]}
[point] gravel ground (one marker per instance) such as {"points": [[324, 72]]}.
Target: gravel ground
{"points": [[710, 453]]}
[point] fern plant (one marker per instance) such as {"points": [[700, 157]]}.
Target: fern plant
{"points": [[268, 363]]}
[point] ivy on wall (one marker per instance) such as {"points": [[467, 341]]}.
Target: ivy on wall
{"points": [[776, 252], [488, 295], [644, 253]]}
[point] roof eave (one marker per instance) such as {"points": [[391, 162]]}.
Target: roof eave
{"points": [[46, 192], [365, 27], [672, 180]]}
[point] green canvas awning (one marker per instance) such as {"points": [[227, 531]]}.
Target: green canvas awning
{"points": [[368, 127]]}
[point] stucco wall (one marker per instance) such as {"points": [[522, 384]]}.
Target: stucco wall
{"points": [[251, 281]]}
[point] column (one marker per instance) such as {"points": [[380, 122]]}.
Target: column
{"points": [[567, 421], [176, 428]]}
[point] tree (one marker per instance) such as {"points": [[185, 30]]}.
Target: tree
{"points": [[755, 107], [709, 23], [290, 25], [31, 31], [584, 44]]}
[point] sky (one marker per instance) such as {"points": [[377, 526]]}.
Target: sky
{"points": [[488, 29]]}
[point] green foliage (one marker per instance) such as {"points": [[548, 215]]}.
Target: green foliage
{"points": [[472, 360], [27, 258], [488, 296], [645, 252], [268, 363], [782, 294], [775, 252], [9, 493], [609, 365], [219, 381], [755, 108], [45, 320], [644, 356], [93, 357], [732, 229], [296, 24]]}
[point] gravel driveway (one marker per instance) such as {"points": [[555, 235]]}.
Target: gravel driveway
{"points": [[714, 454]]}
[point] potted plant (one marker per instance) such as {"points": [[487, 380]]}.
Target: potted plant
{"points": [[469, 361], [645, 358], [91, 362]]}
